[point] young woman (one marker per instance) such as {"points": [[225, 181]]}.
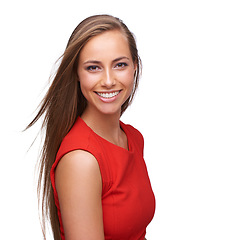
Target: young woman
{"points": [[93, 177]]}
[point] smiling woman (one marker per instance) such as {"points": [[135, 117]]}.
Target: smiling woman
{"points": [[109, 78], [94, 179]]}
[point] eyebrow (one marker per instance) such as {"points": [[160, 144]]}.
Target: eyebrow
{"points": [[98, 62]]}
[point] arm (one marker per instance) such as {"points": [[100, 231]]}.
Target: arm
{"points": [[79, 187]]}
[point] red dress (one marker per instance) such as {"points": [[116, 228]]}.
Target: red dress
{"points": [[128, 201]]}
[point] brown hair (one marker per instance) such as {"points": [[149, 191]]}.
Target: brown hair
{"points": [[64, 102]]}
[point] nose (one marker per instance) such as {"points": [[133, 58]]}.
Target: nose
{"points": [[108, 79]]}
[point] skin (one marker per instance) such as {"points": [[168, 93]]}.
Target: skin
{"points": [[105, 66]]}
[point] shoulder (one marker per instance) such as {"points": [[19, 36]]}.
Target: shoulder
{"points": [[77, 178], [78, 164], [133, 132], [79, 137], [79, 133], [81, 148]]}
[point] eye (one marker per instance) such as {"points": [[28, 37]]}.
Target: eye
{"points": [[121, 65], [92, 68]]}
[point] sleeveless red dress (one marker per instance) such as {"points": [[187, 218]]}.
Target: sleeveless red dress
{"points": [[128, 201]]}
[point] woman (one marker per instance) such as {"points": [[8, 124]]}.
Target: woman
{"points": [[94, 180]]}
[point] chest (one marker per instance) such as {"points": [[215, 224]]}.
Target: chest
{"points": [[129, 204]]}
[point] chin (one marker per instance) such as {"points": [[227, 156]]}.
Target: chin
{"points": [[110, 110]]}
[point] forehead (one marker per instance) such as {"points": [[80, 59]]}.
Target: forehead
{"points": [[108, 46]]}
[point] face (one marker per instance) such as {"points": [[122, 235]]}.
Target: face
{"points": [[106, 72]]}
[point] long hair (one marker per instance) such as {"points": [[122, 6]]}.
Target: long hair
{"points": [[64, 102]]}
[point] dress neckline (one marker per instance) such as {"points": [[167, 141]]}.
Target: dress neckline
{"points": [[124, 129]]}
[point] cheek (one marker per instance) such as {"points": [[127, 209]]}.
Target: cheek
{"points": [[85, 84], [86, 80], [127, 78]]}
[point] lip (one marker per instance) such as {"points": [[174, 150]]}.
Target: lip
{"points": [[108, 99], [110, 91]]}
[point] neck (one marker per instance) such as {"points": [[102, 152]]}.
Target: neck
{"points": [[105, 125]]}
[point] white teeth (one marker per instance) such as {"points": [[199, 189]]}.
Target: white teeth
{"points": [[108, 95]]}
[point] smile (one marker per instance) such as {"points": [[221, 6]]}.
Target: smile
{"points": [[108, 95]]}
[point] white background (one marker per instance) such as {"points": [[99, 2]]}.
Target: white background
{"points": [[185, 108]]}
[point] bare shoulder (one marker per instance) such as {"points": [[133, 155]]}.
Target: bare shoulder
{"points": [[77, 166], [78, 169], [78, 159], [79, 187]]}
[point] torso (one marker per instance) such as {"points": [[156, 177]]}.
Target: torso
{"points": [[127, 199]]}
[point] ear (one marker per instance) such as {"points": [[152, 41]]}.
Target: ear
{"points": [[135, 66], [135, 69]]}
